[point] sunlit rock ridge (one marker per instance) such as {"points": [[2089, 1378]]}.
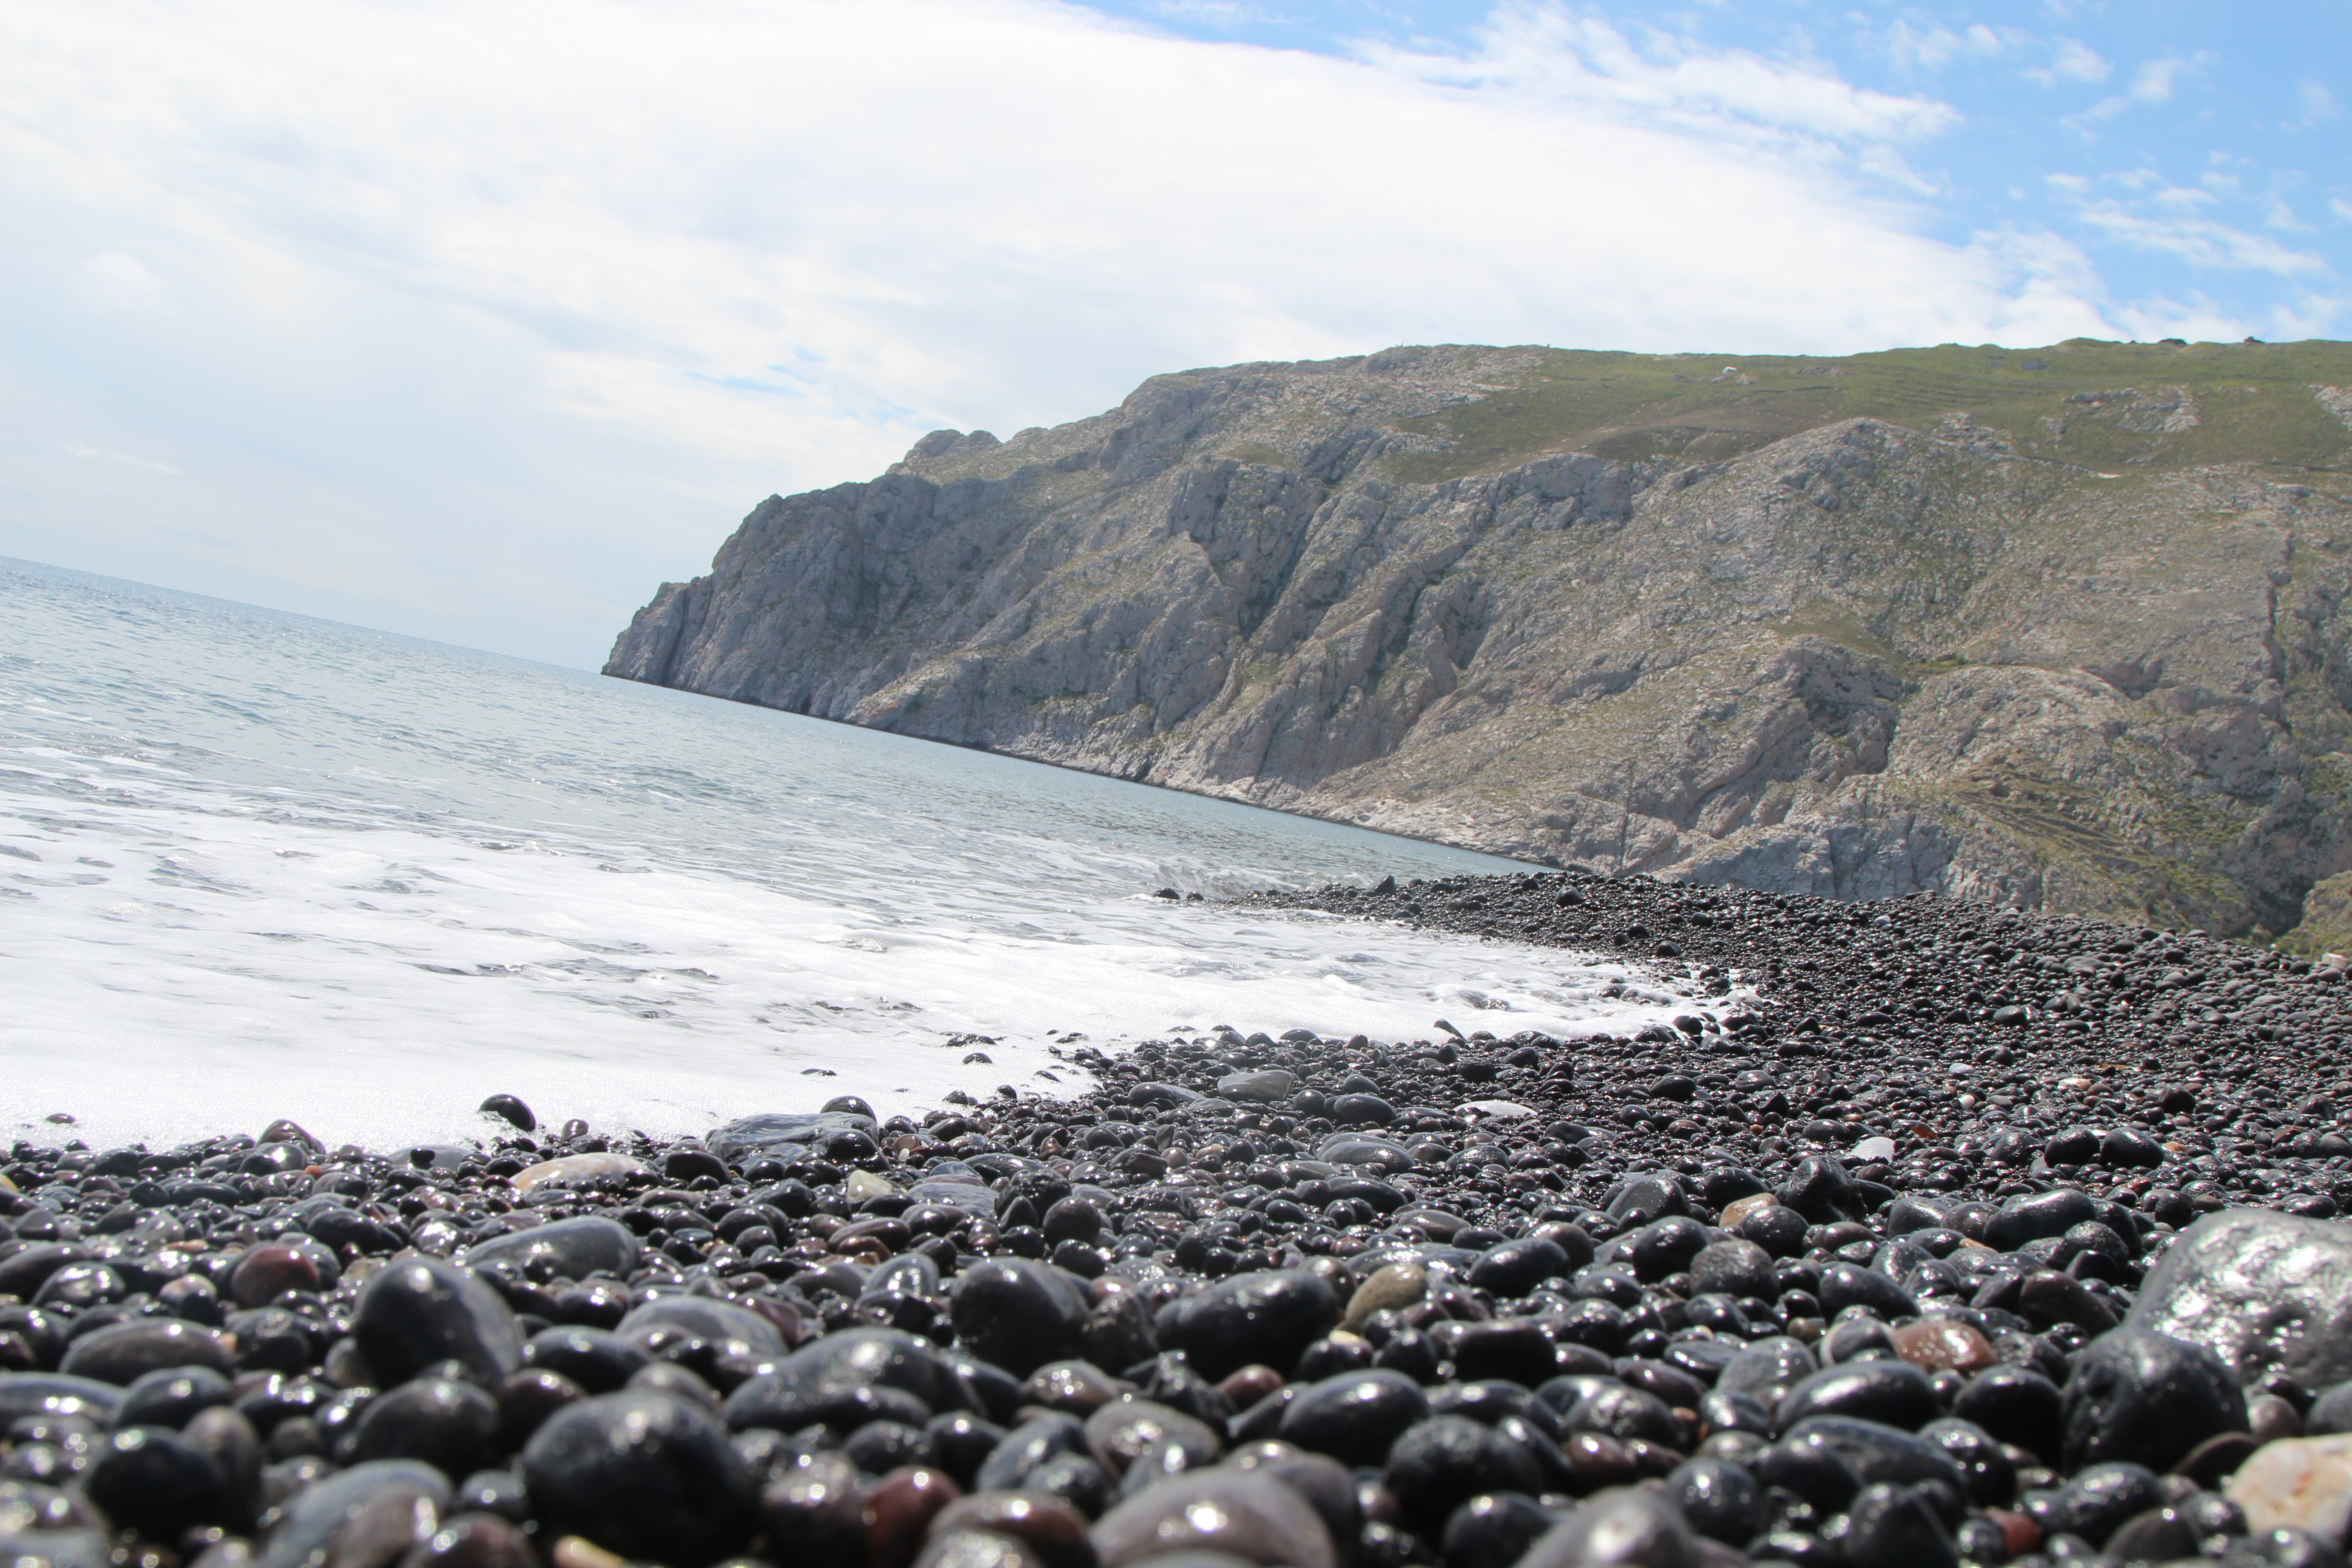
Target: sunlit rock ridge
{"points": [[2061, 626]]}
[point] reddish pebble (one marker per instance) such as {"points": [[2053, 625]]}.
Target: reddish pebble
{"points": [[1941, 1345], [1250, 1385], [268, 1271], [899, 1511], [2019, 1534], [1046, 1524]]}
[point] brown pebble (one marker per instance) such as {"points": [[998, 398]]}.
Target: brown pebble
{"points": [[899, 1511], [2216, 1458], [268, 1271], [1250, 1385], [1049, 1527], [2271, 1418], [1940, 1344]]}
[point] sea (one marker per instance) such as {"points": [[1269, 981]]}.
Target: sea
{"points": [[255, 865]]}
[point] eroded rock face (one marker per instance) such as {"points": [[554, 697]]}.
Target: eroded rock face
{"points": [[1479, 594], [2261, 1289]]}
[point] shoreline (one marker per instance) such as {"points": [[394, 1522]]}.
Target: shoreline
{"points": [[1940, 1200]]}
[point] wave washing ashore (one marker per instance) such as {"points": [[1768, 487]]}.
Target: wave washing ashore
{"points": [[1975, 1239], [253, 865]]}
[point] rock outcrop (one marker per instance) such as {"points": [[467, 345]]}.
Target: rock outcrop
{"points": [[2059, 627]]}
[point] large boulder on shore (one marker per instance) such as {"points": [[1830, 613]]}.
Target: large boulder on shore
{"points": [[2260, 1289]]}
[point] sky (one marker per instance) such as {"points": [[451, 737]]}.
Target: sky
{"points": [[477, 320]]}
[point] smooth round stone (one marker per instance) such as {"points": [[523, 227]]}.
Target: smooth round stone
{"points": [[646, 1475], [267, 1272], [2016, 1405], [1019, 1313], [2147, 1398], [1719, 1500], [2042, 1214], [438, 1421], [510, 1108], [1618, 1529], [1442, 1463], [986, 1549], [474, 1541], [1811, 1470], [1389, 1288], [1985, 1465], [1047, 1526], [1735, 1212], [1767, 1369], [1777, 1229], [128, 1351], [899, 1508], [2099, 1498], [1075, 1388], [1515, 1267], [80, 1285], [814, 1513], [1820, 1190], [50, 1394], [880, 1447], [1073, 1219], [172, 1397], [567, 1248], [1493, 1530], [1265, 1319], [1665, 1247], [1876, 1452], [24, 1273], [322, 1511], [843, 1380], [1120, 1433], [1361, 1110], [1029, 1448], [1895, 1393], [1329, 1487], [1892, 1526], [152, 1481], [596, 1359], [2300, 1483], [1268, 1086], [2259, 1289], [1847, 1284], [1734, 1267], [1943, 1344], [574, 1170], [1354, 1417], [415, 1312], [702, 1318], [1240, 1513], [527, 1399], [1614, 1410]]}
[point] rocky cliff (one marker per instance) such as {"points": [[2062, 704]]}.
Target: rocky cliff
{"points": [[2063, 627]]}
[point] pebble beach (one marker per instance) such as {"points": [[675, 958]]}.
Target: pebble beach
{"points": [[1928, 1233]]}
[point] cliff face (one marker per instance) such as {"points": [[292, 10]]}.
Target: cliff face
{"points": [[2063, 627]]}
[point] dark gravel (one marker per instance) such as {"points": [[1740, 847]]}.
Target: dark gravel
{"points": [[1478, 1299]]}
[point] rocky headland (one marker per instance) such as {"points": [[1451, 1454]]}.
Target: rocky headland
{"points": [[2059, 627], [1932, 1234]]}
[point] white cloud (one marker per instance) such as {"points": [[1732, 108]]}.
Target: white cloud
{"points": [[2074, 60], [487, 315], [1545, 51], [2155, 82], [2315, 106], [113, 281], [2200, 242], [1928, 48], [81, 450]]}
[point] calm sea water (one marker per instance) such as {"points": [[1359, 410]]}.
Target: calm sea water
{"points": [[255, 865]]}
